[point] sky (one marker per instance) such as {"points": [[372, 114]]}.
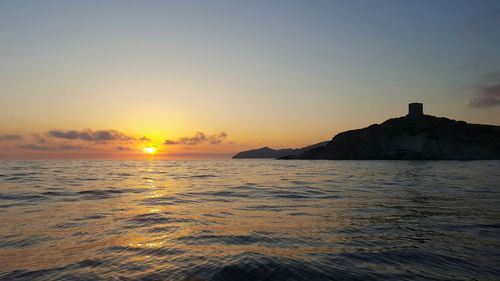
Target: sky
{"points": [[206, 79]]}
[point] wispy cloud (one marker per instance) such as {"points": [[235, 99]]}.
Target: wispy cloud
{"points": [[123, 148], [487, 95], [72, 140], [170, 142], [199, 138], [10, 137], [96, 136], [73, 147], [217, 139], [32, 146]]}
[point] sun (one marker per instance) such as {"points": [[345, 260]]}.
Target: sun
{"points": [[150, 150]]}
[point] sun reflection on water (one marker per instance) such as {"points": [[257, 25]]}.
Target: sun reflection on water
{"points": [[166, 216]]}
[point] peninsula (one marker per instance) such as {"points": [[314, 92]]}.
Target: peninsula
{"points": [[266, 152], [414, 136]]}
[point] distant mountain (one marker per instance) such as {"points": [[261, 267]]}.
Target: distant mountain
{"points": [[414, 136], [266, 152]]}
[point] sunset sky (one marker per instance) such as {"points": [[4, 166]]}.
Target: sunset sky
{"points": [[206, 79]]}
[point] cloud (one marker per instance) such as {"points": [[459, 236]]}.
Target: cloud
{"points": [[72, 147], [10, 137], [217, 139], [96, 136], [170, 142], [489, 95], [123, 148], [32, 146], [199, 138]]}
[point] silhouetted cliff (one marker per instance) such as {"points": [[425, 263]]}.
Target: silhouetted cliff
{"points": [[266, 152], [415, 136]]}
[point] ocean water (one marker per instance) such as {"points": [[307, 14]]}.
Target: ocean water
{"points": [[249, 220]]}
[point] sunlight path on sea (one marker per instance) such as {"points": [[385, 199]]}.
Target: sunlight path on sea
{"points": [[249, 219]]}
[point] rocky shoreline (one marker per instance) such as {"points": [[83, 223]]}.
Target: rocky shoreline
{"points": [[412, 137]]}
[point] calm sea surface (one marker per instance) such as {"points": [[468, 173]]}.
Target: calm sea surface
{"points": [[249, 220]]}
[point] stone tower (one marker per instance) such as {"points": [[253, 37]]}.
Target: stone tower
{"points": [[415, 109]]}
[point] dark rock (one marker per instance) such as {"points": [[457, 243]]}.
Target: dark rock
{"points": [[266, 152], [413, 136]]}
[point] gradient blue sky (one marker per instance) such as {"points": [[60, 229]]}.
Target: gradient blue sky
{"points": [[278, 73]]}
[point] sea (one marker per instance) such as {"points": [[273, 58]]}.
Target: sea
{"points": [[249, 220]]}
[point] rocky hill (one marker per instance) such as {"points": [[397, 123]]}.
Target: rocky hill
{"points": [[266, 152], [415, 136]]}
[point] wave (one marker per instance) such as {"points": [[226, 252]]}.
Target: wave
{"points": [[249, 220]]}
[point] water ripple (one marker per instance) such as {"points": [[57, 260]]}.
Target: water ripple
{"points": [[249, 220]]}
